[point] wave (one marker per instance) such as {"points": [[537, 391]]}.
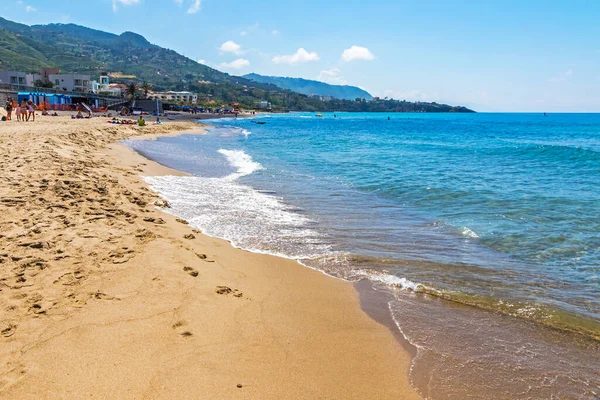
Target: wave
{"points": [[241, 161]]}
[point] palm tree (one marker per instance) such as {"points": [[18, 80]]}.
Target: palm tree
{"points": [[146, 87], [131, 91]]}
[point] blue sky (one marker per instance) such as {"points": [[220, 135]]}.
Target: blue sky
{"points": [[490, 55]]}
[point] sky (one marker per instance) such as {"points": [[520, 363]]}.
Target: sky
{"points": [[523, 56]]}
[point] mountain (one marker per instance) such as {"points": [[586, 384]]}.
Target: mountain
{"points": [[313, 88], [130, 57]]}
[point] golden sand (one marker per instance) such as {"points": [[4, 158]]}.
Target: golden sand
{"points": [[102, 295]]}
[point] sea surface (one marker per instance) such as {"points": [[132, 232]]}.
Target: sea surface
{"points": [[485, 229]]}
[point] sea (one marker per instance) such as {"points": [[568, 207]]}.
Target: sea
{"points": [[482, 230]]}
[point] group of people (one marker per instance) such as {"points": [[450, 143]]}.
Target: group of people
{"points": [[24, 111]]}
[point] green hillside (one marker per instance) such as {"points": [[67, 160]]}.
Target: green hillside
{"points": [[309, 87], [77, 49]]}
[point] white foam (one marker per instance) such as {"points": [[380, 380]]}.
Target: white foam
{"points": [[249, 219], [390, 280], [469, 233], [241, 161]]}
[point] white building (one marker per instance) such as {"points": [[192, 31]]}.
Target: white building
{"points": [[71, 82], [13, 78], [104, 86], [185, 97]]}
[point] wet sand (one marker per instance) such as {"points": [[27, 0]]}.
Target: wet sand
{"points": [[102, 294]]}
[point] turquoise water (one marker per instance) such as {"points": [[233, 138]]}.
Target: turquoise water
{"points": [[499, 212]]}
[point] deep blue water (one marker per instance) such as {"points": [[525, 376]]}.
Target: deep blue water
{"points": [[497, 211]]}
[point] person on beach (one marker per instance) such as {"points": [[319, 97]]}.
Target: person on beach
{"points": [[8, 107], [18, 112], [23, 106], [30, 111], [141, 121], [158, 121]]}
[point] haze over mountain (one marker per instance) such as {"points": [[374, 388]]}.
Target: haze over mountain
{"points": [[310, 87]]}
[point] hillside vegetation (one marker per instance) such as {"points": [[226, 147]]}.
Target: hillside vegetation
{"points": [[77, 49]]}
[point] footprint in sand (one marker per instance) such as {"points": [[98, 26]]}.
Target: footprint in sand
{"points": [[191, 271], [181, 324], [8, 330], [159, 221], [227, 290]]}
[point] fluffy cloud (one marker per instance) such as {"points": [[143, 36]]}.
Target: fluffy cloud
{"points": [[116, 3], [195, 7], [299, 56], [332, 76], [30, 9], [231, 47], [236, 64], [202, 62], [357, 53]]}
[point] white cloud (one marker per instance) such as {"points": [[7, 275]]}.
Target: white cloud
{"points": [[357, 53], [19, 2], [563, 76], [195, 7], [299, 56], [116, 3], [332, 76], [236, 64], [231, 47], [202, 62], [275, 33], [178, 2], [30, 9]]}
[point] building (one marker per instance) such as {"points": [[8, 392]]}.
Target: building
{"points": [[46, 72], [18, 80], [263, 105], [104, 86], [71, 82], [183, 97]]}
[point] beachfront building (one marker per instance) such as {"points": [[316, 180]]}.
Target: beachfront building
{"points": [[182, 97], [104, 86], [70, 82], [263, 105], [17, 80]]}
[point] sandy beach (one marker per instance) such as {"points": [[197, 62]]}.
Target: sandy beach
{"points": [[103, 295]]}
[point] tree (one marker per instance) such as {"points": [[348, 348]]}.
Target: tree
{"points": [[40, 83], [146, 87], [131, 91]]}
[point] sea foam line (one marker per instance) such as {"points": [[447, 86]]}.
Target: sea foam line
{"points": [[243, 162]]}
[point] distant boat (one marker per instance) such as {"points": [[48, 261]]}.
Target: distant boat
{"points": [[259, 122], [319, 115]]}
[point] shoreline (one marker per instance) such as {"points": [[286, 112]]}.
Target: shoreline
{"points": [[122, 297], [373, 302]]}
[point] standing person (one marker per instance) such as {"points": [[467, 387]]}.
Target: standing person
{"points": [[30, 111], [18, 112], [24, 116], [8, 107]]}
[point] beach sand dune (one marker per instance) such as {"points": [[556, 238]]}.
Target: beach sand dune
{"points": [[103, 295]]}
